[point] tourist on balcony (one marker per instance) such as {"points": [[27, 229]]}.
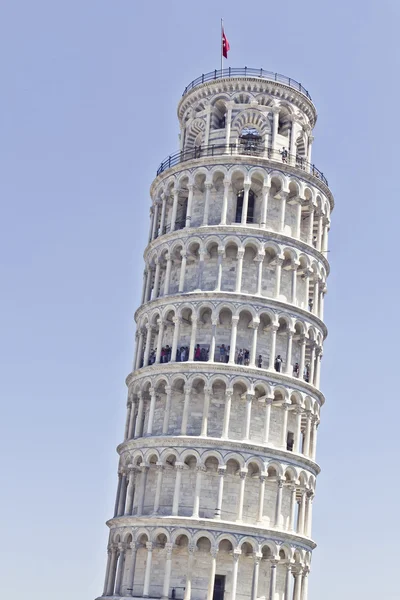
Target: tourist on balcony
{"points": [[197, 353], [239, 359], [284, 154], [296, 369], [278, 363], [246, 356], [259, 361]]}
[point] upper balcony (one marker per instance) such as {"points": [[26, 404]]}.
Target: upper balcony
{"points": [[245, 147], [247, 72]]}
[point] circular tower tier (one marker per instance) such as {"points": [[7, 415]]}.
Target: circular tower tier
{"points": [[218, 467]]}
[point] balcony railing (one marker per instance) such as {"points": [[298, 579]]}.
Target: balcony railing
{"points": [[233, 150], [246, 72]]}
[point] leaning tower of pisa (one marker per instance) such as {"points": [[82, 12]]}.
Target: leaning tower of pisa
{"points": [[217, 466]]}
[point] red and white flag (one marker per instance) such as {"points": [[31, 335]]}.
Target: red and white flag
{"points": [[225, 45]]}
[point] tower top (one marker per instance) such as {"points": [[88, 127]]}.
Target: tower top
{"points": [[247, 72]]}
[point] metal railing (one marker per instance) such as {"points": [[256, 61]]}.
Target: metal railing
{"points": [[247, 72], [233, 150]]}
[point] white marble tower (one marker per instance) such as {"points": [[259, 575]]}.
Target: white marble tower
{"points": [[217, 470]]}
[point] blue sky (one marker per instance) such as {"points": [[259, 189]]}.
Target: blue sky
{"points": [[88, 110]]}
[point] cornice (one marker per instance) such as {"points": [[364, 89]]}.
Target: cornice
{"points": [[257, 302], [241, 232], [209, 369], [219, 527], [228, 446]]}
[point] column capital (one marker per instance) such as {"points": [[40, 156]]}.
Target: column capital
{"points": [[247, 185], [236, 554], [187, 388], [221, 471], [221, 251], [179, 466], [192, 548], [168, 549], [227, 183], [133, 546], [240, 253], [208, 185], [229, 392], [168, 389], [190, 187], [183, 253], [214, 552], [235, 320], [243, 473], [149, 546], [177, 320], [259, 257], [275, 109], [200, 468]]}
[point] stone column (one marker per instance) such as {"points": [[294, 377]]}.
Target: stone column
{"points": [[121, 564], [321, 303], [160, 324], [253, 352], [274, 329], [278, 273], [200, 269], [227, 185], [221, 253], [319, 231], [144, 287], [289, 368], [314, 439], [247, 422], [256, 573], [160, 470], [311, 225], [302, 364], [174, 209], [307, 436], [151, 411], [293, 298], [235, 321], [285, 408], [287, 582], [208, 123], [278, 504], [189, 205], [136, 350], [297, 231], [147, 574], [210, 590], [177, 321], [207, 186], [107, 570], [268, 404], [147, 292], [312, 362], [259, 259], [197, 490], [242, 475], [261, 499], [264, 205], [302, 502], [292, 147], [177, 489], [139, 418], [275, 126], [147, 348], [117, 494], [132, 568], [298, 577], [235, 568], [206, 408], [122, 496], [304, 587], [151, 224], [292, 518], [227, 413], [272, 581], [192, 347], [164, 198], [282, 212], [245, 205], [325, 236], [211, 357], [155, 221], [240, 255], [130, 491], [308, 518], [188, 587], [310, 141], [316, 296], [168, 568], [297, 431], [142, 491], [128, 419], [185, 414], [228, 120], [168, 391], [218, 510], [167, 274], [183, 272], [318, 368], [112, 571], [139, 351]]}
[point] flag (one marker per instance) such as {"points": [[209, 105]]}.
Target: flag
{"points": [[225, 45]]}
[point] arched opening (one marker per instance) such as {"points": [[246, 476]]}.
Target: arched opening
{"points": [[250, 142], [250, 206]]}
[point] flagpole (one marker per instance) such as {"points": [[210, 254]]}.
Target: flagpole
{"points": [[222, 45]]}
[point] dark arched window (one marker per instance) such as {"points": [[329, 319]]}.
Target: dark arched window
{"points": [[250, 142], [250, 207]]}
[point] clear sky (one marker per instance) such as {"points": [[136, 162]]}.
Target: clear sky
{"points": [[87, 111]]}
